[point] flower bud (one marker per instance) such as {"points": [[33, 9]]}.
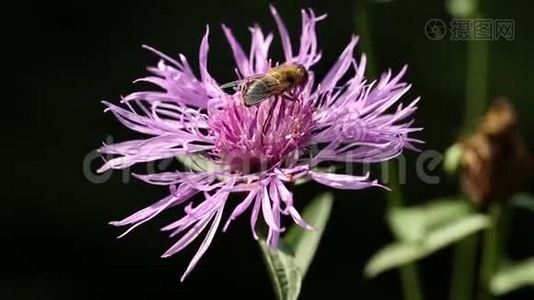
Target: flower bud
{"points": [[495, 161]]}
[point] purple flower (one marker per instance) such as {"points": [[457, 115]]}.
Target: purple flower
{"points": [[257, 149]]}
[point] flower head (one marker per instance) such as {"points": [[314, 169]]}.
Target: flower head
{"points": [[261, 148]]}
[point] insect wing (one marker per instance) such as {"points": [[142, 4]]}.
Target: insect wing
{"points": [[262, 89], [240, 82]]}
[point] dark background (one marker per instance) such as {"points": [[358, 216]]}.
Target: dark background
{"points": [[63, 58]]}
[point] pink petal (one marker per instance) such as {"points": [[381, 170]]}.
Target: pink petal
{"points": [[239, 55], [205, 243], [284, 36], [341, 181], [241, 208]]}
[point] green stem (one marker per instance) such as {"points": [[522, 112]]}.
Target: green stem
{"points": [[476, 82], [475, 104], [394, 197], [411, 286], [410, 282], [476, 86], [361, 22], [476, 76], [409, 275], [463, 269], [491, 251]]}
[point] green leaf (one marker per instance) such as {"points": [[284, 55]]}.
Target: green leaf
{"points": [[286, 277], [525, 201], [305, 242], [301, 181], [407, 224], [413, 223], [452, 160], [394, 255], [197, 163], [288, 264], [456, 231], [401, 253], [513, 277], [461, 8]]}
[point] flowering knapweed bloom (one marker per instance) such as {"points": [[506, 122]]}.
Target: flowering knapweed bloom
{"points": [[257, 149]]}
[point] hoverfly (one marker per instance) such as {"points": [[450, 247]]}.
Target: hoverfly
{"points": [[276, 82]]}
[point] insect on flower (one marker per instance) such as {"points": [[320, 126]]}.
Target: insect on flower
{"points": [[256, 142], [284, 80]]}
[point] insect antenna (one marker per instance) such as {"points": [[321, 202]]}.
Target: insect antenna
{"points": [[231, 84]]}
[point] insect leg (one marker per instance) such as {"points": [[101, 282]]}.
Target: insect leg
{"points": [[269, 116], [290, 95]]}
